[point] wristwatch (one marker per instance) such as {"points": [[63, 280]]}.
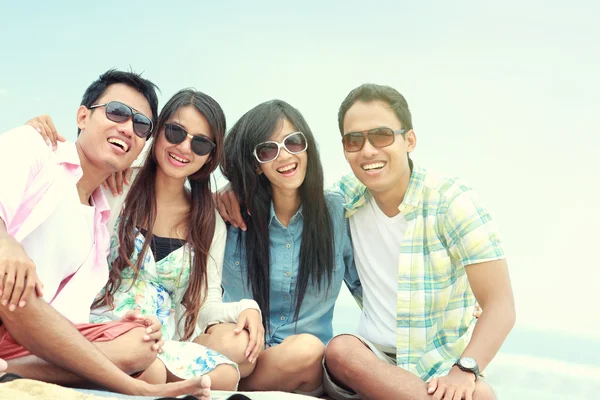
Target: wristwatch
{"points": [[468, 364]]}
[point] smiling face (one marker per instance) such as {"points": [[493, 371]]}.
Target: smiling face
{"points": [[178, 160], [111, 146], [287, 171], [379, 169]]}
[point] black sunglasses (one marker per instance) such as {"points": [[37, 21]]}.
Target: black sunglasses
{"points": [[294, 143], [176, 134], [120, 112], [378, 137]]}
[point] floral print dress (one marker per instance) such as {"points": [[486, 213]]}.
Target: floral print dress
{"points": [[158, 291]]}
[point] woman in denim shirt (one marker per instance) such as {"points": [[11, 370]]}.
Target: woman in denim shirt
{"points": [[296, 250]]}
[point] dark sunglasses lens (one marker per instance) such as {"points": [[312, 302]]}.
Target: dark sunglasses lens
{"points": [[295, 143], [267, 151], [174, 133], [141, 125], [381, 137], [353, 141], [202, 146], [117, 112]]}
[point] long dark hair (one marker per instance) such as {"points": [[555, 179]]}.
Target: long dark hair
{"points": [[254, 193], [140, 210]]}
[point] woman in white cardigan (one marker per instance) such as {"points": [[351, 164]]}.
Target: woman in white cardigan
{"points": [[167, 249]]}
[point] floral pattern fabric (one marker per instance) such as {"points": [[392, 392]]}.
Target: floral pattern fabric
{"points": [[158, 291]]}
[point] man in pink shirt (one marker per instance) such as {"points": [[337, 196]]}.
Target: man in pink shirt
{"points": [[54, 245]]}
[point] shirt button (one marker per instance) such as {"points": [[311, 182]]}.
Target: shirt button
{"points": [[237, 263], [287, 273], [288, 245], [283, 317], [286, 297]]}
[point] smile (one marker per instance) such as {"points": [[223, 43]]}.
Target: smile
{"points": [[287, 168], [119, 143], [373, 166], [180, 159]]}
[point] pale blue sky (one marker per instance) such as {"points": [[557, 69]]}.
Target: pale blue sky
{"points": [[504, 95]]}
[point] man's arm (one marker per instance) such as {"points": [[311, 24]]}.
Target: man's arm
{"points": [[491, 286], [473, 242]]}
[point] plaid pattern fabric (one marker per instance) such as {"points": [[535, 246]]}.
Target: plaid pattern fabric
{"points": [[447, 229]]}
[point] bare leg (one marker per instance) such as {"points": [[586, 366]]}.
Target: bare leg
{"points": [[205, 380], [128, 352], [48, 335], [354, 366], [155, 374], [232, 345], [223, 377], [293, 365]]}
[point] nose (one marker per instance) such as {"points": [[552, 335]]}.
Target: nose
{"points": [[186, 146], [369, 150], [284, 154], [126, 128]]}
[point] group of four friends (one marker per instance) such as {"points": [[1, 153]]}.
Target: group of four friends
{"points": [[150, 292]]}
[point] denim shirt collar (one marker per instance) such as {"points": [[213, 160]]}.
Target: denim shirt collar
{"points": [[273, 216]]}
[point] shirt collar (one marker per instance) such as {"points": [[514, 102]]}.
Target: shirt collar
{"points": [[273, 216], [411, 199], [101, 205], [66, 153]]}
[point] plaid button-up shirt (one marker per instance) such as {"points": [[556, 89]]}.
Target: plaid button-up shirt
{"points": [[447, 229]]}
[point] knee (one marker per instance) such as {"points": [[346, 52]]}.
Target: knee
{"points": [[140, 355], [20, 313], [483, 391], [338, 349], [307, 353], [237, 343], [223, 339], [225, 377]]}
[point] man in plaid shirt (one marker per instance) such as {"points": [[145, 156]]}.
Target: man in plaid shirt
{"points": [[426, 251]]}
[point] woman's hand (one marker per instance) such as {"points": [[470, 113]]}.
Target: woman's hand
{"points": [[44, 125], [251, 320]]}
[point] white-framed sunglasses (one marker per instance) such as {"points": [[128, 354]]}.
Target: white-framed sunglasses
{"points": [[294, 143]]}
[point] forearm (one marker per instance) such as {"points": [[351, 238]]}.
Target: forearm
{"points": [[490, 331]]}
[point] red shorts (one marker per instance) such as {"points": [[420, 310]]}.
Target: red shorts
{"points": [[10, 349]]}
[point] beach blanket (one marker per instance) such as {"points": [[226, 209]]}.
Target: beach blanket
{"points": [[25, 389]]}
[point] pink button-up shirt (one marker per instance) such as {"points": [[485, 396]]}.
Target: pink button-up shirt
{"points": [[33, 182]]}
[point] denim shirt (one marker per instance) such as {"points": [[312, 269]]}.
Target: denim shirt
{"points": [[316, 312]]}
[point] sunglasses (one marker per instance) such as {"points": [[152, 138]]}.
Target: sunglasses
{"points": [[120, 112], [294, 143], [176, 134], [378, 137]]}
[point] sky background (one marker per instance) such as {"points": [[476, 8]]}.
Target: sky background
{"points": [[503, 94]]}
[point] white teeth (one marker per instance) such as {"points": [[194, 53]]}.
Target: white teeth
{"points": [[119, 142], [287, 168], [369, 167], [174, 157]]}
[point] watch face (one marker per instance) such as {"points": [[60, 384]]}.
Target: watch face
{"points": [[468, 362]]}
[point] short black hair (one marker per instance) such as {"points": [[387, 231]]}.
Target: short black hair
{"points": [[368, 92], [134, 80]]}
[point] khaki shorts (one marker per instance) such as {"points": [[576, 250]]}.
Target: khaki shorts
{"points": [[333, 390]]}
